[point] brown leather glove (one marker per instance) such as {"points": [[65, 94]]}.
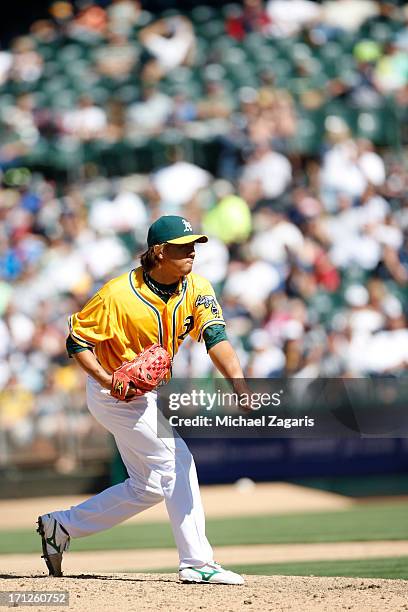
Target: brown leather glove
{"points": [[142, 374]]}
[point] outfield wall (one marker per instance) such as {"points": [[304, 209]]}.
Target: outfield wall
{"points": [[355, 467]]}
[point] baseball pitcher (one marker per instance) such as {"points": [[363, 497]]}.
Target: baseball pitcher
{"points": [[125, 338]]}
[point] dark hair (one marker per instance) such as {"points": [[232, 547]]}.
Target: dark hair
{"points": [[148, 259]]}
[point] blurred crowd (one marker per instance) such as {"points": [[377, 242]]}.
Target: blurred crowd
{"points": [[308, 247]]}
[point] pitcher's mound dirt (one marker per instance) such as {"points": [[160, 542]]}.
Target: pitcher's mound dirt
{"points": [[163, 592]]}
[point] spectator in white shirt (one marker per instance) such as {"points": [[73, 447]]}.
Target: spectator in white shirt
{"points": [[170, 42], [178, 183], [149, 115], [87, 121], [269, 171], [289, 16]]}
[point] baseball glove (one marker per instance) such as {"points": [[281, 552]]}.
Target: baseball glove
{"points": [[142, 374]]}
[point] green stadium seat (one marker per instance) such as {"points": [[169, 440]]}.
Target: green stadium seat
{"points": [[145, 18], [128, 93], [353, 275], [6, 99], [401, 292], [282, 69], [379, 125], [300, 52], [284, 46], [116, 159], [170, 12], [224, 44], [253, 41], [381, 32], [201, 52], [71, 53], [370, 125], [56, 84], [309, 132], [263, 55], [214, 72], [234, 56], [331, 51], [347, 41], [51, 69], [203, 14], [339, 109], [66, 154], [330, 55], [64, 99], [49, 50], [322, 307], [77, 69], [39, 154], [212, 30], [231, 8], [242, 75], [99, 94]]}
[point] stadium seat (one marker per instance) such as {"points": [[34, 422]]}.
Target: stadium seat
{"points": [[381, 125], [76, 69], [201, 52], [128, 93], [145, 18], [330, 54], [56, 84], [370, 125], [353, 275], [309, 132], [381, 32], [203, 14], [71, 53], [322, 307], [51, 69], [63, 99], [49, 50], [338, 109], [253, 41], [39, 154], [211, 30], [282, 70]]}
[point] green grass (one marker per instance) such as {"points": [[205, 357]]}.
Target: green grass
{"points": [[393, 567], [386, 521]]}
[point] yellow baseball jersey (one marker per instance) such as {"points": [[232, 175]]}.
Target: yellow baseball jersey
{"points": [[125, 316]]}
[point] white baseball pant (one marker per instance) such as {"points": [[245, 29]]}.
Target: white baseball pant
{"points": [[158, 468]]}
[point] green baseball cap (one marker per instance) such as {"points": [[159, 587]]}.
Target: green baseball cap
{"points": [[173, 229]]}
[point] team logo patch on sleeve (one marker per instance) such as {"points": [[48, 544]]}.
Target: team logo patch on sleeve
{"points": [[208, 301]]}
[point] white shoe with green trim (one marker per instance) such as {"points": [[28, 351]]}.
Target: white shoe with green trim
{"points": [[55, 540], [211, 573]]}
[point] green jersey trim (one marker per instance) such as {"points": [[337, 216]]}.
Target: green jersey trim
{"points": [[77, 338], [174, 314], [145, 301]]}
